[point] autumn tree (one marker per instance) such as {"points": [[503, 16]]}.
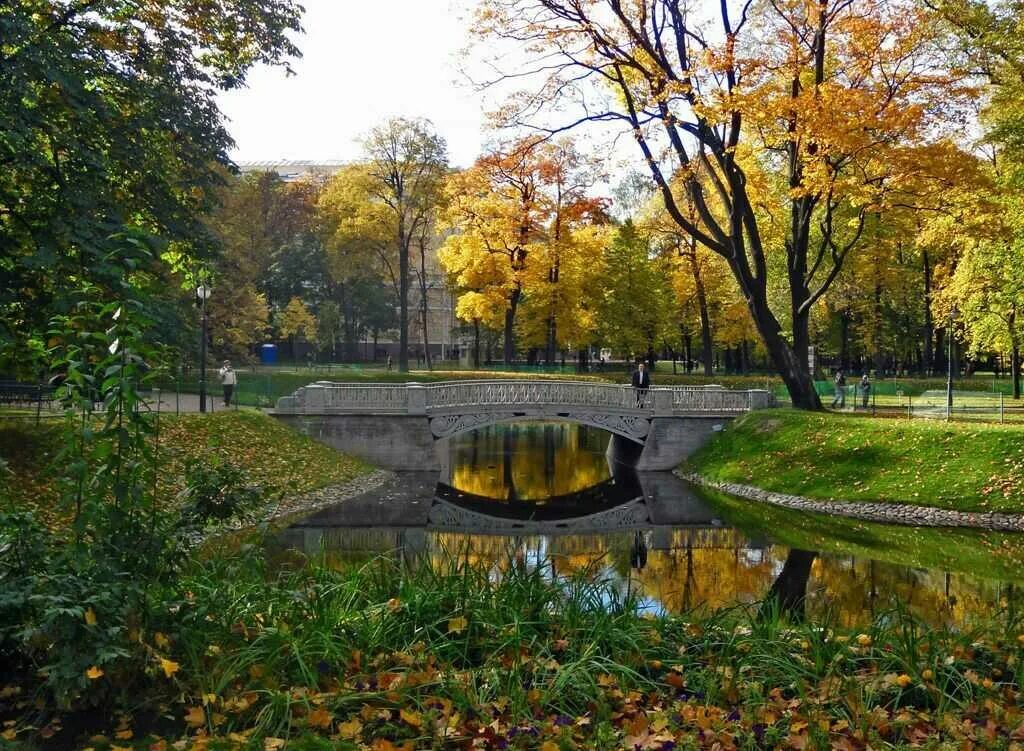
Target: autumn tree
{"points": [[296, 320], [494, 212], [560, 278], [522, 228], [987, 289], [834, 97], [406, 162]]}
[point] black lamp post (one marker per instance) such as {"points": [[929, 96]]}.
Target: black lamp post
{"points": [[202, 294]]}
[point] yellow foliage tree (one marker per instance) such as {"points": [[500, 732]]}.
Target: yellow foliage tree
{"points": [[839, 100], [297, 320]]}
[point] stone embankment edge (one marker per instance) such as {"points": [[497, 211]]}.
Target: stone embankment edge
{"points": [[314, 500], [304, 503], [889, 513]]}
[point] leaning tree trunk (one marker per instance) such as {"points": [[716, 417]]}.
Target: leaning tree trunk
{"points": [[789, 360]]}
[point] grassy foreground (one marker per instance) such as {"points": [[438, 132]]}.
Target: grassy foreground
{"points": [[388, 657], [835, 457], [273, 456]]}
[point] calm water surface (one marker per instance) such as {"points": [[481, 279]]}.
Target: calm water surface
{"points": [[546, 492]]}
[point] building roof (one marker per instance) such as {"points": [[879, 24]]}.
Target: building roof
{"points": [[293, 169]]}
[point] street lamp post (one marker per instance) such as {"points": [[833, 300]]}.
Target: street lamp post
{"points": [[203, 294], [949, 366]]}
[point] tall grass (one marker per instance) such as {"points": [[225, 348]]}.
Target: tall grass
{"points": [[517, 642]]}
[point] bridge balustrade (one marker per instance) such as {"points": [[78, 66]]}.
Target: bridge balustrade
{"points": [[446, 398], [522, 393]]}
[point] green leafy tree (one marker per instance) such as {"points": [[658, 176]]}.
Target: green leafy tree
{"points": [[110, 126], [634, 309]]}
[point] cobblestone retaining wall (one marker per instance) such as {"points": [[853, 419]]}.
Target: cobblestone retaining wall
{"points": [[891, 513]]}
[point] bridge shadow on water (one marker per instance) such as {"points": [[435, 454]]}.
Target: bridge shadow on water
{"points": [[547, 493]]}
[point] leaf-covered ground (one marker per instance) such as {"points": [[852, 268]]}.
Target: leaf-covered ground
{"points": [[274, 457], [836, 457], [386, 657]]}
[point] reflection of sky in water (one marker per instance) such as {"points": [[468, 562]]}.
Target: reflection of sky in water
{"points": [[704, 565]]}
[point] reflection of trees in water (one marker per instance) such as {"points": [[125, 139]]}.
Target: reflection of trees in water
{"points": [[528, 461], [715, 568]]}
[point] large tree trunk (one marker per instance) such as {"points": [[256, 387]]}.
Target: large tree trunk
{"points": [[789, 360]]}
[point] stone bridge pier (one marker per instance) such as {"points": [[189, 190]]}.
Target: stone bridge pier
{"points": [[405, 426]]}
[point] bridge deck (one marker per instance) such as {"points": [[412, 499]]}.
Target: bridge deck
{"points": [[531, 397]]}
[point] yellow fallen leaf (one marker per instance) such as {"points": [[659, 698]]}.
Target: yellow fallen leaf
{"points": [[549, 746], [161, 641], [319, 718], [90, 617], [9, 734], [93, 673], [411, 717], [350, 729], [170, 667], [273, 744], [124, 735], [195, 717], [455, 625]]}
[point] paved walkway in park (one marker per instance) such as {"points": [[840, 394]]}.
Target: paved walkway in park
{"points": [[173, 403]]}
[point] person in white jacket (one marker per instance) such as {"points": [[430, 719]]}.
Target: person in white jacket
{"points": [[228, 379]]}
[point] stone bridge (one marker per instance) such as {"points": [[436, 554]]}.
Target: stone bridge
{"points": [[397, 426]]}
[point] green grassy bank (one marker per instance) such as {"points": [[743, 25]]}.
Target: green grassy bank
{"points": [[836, 457], [273, 456]]}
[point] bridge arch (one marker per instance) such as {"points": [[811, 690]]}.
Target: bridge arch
{"points": [[634, 428]]}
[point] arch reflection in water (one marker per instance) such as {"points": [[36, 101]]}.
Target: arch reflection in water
{"points": [[546, 494]]}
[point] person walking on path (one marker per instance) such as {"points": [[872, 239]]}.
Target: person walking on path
{"points": [[389, 362], [865, 390], [839, 381], [228, 379], [641, 383]]}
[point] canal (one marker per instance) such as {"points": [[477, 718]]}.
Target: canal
{"points": [[544, 493]]}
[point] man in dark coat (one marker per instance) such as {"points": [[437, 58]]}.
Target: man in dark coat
{"points": [[641, 382]]}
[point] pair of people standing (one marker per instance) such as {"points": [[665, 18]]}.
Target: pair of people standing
{"points": [[839, 382]]}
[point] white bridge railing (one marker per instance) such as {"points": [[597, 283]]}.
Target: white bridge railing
{"points": [[453, 397]]}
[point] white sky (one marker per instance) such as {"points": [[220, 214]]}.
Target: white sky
{"points": [[363, 62]]}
